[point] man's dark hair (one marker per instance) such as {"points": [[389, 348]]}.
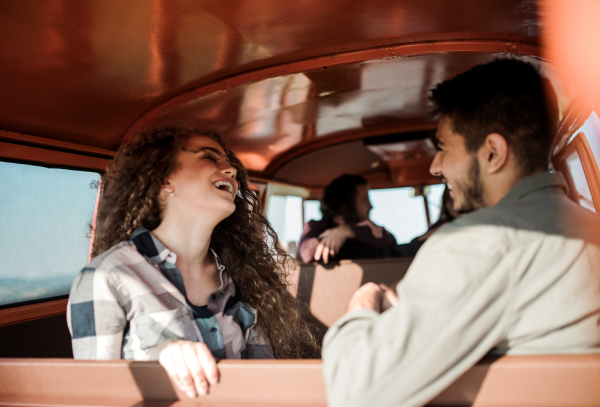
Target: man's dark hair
{"points": [[339, 198], [508, 97]]}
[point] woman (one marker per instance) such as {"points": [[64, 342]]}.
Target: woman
{"points": [[181, 271], [345, 230]]}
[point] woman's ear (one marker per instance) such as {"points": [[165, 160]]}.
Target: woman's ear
{"points": [[167, 189], [495, 153]]}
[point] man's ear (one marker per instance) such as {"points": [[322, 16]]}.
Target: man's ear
{"points": [[494, 153]]}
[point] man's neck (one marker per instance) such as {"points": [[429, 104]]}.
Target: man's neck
{"points": [[499, 185]]}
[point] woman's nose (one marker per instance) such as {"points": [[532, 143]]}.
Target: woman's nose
{"points": [[228, 169]]}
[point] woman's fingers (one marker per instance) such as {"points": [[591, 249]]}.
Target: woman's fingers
{"points": [[208, 363], [195, 369], [190, 365], [319, 251], [173, 361]]}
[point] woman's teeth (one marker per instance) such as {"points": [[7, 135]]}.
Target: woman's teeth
{"points": [[224, 185]]}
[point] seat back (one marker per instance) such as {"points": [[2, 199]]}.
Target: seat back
{"points": [[327, 290]]}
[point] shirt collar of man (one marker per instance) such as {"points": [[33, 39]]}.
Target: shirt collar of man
{"points": [[534, 183]]}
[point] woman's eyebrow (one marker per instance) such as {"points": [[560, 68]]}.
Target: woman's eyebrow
{"points": [[204, 149]]}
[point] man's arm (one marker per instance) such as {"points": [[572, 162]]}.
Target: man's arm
{"points": [[451, 312]]}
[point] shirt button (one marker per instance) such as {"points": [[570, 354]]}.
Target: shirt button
{"points": [[213, 330]]}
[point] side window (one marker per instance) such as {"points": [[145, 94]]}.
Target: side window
{"points": [[285, 215], [434, 201], [312, 210], [400, 212], [579, 160], [43, 229]]}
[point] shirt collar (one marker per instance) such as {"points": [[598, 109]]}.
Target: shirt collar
{"points": [[535, 183], [156, 252]]}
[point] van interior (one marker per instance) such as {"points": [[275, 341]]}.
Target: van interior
{"points": [[302, 92]]}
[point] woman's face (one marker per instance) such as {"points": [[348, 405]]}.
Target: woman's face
{"points": [[363, 204], [204, 181]]}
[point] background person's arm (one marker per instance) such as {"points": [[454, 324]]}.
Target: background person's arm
{"points": [[451, 312]]}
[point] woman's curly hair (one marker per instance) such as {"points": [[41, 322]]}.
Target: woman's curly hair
{"points": [[130, 191]]}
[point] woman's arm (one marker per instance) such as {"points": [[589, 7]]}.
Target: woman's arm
{"points": [[364, 234], [95, 317]]}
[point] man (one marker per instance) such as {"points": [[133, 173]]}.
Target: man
{"points": [[518, 275]]}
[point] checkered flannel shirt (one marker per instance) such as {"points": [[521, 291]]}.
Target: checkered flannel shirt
{"points": [[131, 299]]}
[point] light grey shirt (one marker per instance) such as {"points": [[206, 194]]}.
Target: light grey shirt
{"points": [[522, 277]]}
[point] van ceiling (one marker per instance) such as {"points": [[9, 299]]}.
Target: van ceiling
{"points": [[278, 79]]}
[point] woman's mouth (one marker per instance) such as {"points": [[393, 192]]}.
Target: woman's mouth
{"points": [[224, 186]]}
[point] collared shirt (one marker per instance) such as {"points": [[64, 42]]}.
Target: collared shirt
{"points": [[521, 277], [131, 299]]}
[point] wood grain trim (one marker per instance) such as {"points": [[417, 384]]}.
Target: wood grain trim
{"points": [[30, 312], [17, 138], [51, 157]]}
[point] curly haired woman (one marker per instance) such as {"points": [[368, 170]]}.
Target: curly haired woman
{"points": [[181, 270]]}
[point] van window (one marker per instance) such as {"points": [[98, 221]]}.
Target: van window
{"points": [[401, 212], [285, 215], [434, 201], [583, 194], [312, 210], [43, 229]]}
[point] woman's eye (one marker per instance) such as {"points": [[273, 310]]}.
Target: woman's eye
{"points": [[210, 158]]}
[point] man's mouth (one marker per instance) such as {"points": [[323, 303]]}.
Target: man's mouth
{"points": [[224, 186]]}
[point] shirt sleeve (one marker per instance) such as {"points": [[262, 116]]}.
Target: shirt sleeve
{"points": [[258, 345], [95, 318], [309, 240], [364, 235], [451, 312]]}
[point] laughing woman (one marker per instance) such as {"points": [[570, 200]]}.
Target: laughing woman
{"points": [[181, 270]]}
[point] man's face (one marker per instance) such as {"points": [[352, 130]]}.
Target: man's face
{"points": [[458, 168]]}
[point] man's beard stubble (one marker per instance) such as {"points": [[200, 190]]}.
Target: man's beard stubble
{"points": [[472, 189]]}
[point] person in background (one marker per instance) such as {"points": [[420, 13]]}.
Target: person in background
{"points": [[181, 270], [447, 215], [345, 231], [517, 274]]}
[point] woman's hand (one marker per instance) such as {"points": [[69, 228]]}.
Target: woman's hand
{"points": [[331, 241], [190, 365]]}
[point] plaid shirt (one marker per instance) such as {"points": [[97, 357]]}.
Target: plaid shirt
{"points": [[131, 299]]}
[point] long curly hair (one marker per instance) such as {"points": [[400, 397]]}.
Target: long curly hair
{"points": [[245, 241]]}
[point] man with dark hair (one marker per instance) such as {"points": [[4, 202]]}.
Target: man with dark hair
{"points": [[520, 274]]}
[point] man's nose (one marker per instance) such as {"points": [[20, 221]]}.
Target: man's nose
{"points": [[436, 168]]}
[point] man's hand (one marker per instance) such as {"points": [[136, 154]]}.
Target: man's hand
{"points": [[190, 365], [331, 241], [374, 297], [389, 298]]}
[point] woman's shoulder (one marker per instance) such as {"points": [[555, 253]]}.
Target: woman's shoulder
{"points": [[123, 253]]}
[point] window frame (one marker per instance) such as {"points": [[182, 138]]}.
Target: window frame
{"points": [[580, 145], [39, 151]]}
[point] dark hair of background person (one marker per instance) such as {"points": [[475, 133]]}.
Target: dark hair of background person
{"points": [[339, 198], [508, 97], [130, 191]]}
